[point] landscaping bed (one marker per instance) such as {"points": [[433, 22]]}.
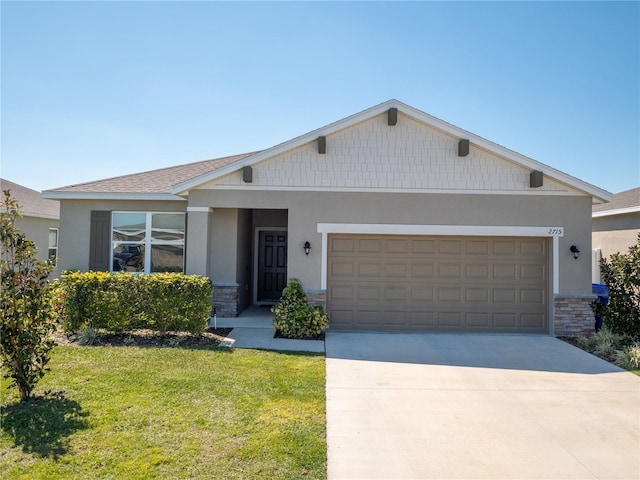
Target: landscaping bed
{"points": [[211, 337]]}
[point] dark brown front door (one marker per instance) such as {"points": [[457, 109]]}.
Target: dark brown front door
{"points": [[272, 265]]}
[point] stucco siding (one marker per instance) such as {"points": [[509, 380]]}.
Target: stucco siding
{"points": [[307, 209], [37, 229], [409, 155], [75, 225]]}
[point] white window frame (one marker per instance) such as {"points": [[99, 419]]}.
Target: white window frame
{"points": [[57, 230], [147, 242]]}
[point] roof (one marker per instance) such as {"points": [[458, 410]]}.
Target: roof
{"points": [[31, 201], [174, 183], [149, 185], [623, 202]]}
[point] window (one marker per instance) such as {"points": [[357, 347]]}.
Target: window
{"points": [[147, 242], [53, 245]]}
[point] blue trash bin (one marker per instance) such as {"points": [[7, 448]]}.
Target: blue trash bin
{"points": [[602, 292]]}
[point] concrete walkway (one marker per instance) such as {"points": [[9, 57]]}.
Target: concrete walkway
{"points": [[254, 329], [438, 406]]}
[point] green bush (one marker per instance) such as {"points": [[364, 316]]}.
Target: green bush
{"points": [[629, 357], [294, 318], [621, 274], [120, 302]]}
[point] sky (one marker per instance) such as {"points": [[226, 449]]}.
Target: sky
{"points": [[92, 90]]}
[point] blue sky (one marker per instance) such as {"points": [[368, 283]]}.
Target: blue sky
{"points": [[92, 90]]}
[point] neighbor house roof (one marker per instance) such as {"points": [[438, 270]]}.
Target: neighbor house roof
{"points": [[31, 201], [174, 183], [623, 202], [150, 185]]}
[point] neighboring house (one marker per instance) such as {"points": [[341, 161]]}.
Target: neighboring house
{"points": [[40, 220], [412, 224], [615, 226]]}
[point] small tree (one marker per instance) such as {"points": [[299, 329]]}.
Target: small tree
{"points": [[622, 276], [26, 320]]}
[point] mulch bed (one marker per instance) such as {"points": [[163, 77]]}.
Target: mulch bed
{"points": [[211, 337], [278, 334]]}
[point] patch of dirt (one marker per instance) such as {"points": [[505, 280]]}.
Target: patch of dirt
{"points": [[211, 337]]}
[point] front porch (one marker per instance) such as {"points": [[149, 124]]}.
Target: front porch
{"points": [[253, 328]]}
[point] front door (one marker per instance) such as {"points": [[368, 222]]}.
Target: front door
{"points": [[272, 265]]}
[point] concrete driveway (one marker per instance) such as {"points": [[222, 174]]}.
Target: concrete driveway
{"points": [[438, 406]]}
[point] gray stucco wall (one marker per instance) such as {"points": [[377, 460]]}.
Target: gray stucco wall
{"points": [[616, 233], [75, 224], [37, 229], [306, 209]]}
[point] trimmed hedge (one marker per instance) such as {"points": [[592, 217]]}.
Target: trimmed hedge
{"points": [[120, 302]]}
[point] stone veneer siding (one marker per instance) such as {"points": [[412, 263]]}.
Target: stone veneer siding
{"points": [[317, 298], [573, 315], [225, 299]]}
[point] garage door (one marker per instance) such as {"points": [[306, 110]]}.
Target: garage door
{"points": [[418, 283]]}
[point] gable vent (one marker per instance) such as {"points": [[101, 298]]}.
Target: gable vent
{"points": [[393, 116], [322, 144], [247, 174], [535, 179], [463, 147]]}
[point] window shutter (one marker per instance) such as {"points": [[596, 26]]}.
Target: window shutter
{"points": [[100, 241]]}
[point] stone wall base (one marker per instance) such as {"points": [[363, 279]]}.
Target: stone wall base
{"points": [[317, 298], [225, 299], [573, 316]]}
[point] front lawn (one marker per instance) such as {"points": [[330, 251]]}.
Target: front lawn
{"points": [[149, 412]]}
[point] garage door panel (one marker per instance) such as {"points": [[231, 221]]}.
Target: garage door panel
{"points": [[369, 245], [396, 246], [422, 270], [423, 246], [438, 284], [478, 247], [450, 270], [420, 319], [477, 295], [478, 320], [397, 293], [398, 270], [343, 268], [534, 296], [505, 271], [504, 247], [422, 294], [504, 295], [505, 320], [477, 271]]}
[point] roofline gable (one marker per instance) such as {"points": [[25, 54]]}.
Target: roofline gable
{"points": [[598, 195], [617, 211]]}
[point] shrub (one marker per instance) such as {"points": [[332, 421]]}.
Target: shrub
{"points": [[622, 276], [26, 319], [294, 318], [120, 302], [629, 357]]}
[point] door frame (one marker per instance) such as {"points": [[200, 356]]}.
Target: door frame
{"points": [[256, 259]]}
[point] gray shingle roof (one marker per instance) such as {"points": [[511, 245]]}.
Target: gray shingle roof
{"points": [[626, 199], [154, 181], [31, 200]]}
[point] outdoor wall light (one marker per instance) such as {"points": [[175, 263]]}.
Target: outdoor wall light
{"points": [[307, 247], [575, 251]]}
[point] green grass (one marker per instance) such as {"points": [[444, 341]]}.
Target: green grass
{"points": [[131, 412]]}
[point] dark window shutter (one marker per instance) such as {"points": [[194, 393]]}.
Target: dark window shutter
{"points": [[100, 241]]}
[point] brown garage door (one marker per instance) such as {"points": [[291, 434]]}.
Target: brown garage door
{"points": [[418, 283]]}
